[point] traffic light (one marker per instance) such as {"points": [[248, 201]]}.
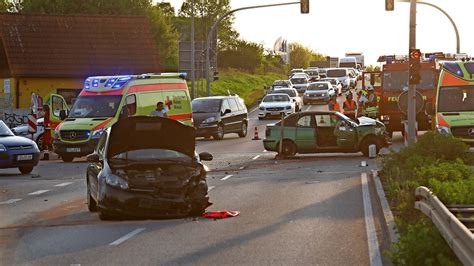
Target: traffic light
{"points": [[389, 5], [304, 6], [414, 62]]}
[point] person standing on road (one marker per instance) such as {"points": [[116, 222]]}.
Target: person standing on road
{"points": [[349, 106], [333, 104], [371, 107], [159, 111], [46, 143]]}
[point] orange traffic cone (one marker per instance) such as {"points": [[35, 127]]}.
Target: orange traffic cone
{"points": [[255, 135]]}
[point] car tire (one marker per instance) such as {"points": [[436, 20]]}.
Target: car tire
{"points": [[288, 149], [243, 131], [199, 199], [25, 169], [91, 204], [219, 133], [105, 215], [39, 142], [67, 158], [364, 145]]}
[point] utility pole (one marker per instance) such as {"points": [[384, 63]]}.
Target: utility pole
{"points": [[193, 63], [412, 88]]}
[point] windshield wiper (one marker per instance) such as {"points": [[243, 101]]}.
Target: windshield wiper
{"points": [[6, 135]]}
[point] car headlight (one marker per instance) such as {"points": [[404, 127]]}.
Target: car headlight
{"points": [[385, 117], [116, 181], [261, 108], [210, 120], [56, 133], [3, 148], [288, 107], [324, 94], [443, 130], [97, 133]]}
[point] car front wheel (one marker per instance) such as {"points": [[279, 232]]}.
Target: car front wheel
{"points": [[288, 148], [91, 204], [365, 144], [243, 131], [220, 133]]}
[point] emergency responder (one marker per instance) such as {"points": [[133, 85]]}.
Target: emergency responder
{"points": [[371, 107], [46, 144], [333, 104], [349, 106]]}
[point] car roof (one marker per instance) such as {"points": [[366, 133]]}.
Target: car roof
{"points": [[277, 94], [321, 82], [218, 97]]}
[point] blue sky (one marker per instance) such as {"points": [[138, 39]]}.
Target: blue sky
{"points": [[334, 27]]}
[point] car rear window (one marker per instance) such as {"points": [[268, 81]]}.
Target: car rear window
{"points": [[318, 86], [290, 93]]}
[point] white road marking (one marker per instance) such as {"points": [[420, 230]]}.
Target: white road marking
{"points": [[126, 237], [63, 184], [210, 188], [38, 192], [10, 201], [226, 177], [374, 251], [256, 157]]}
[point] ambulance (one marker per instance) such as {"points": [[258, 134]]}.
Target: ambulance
{"points": [[106, 99], [454, 109]]}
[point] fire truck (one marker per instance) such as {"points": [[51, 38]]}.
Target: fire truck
{"points": [[391, 84]]}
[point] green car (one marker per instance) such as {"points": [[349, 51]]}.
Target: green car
{"points": [[325, 132]]}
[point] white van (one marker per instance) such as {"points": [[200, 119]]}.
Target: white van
{"points": [[349, 62]]}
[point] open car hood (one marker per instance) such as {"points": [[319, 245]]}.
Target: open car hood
{"points": [[366, 121], [141, 132]]}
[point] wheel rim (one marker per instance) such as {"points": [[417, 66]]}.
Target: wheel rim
{"points": [[288, 149], [220, 132]]}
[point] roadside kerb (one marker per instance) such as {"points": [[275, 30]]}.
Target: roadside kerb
{"points": [[387, 212]]}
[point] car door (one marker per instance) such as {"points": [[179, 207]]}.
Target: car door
{"points": [[305, 133], [235, 123], [95, 167], [57, 104], [226, 118], [345, 132]]}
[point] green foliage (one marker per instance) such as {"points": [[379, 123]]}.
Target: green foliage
{"points": [[440, 163], [300, 56], [372, 68], [93, 7], [246, 56]]}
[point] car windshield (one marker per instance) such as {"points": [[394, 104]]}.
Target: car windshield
{"points": [[398, 80], [336, 73], [206, 105], [456, 99], [152, 154], [281, 83], [290, 93], [318, 87], [298, 81], [332, 81], [276, 98], [95, 106], [312, 73], [4, 130]]}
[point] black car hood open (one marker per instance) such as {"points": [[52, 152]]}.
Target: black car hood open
{"points": [[141, 132]]}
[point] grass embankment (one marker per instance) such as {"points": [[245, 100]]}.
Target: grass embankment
{"points": [[444, 165], [248, 86]]}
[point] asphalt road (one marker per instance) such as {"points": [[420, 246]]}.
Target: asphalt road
{"points": [[305, 211]]}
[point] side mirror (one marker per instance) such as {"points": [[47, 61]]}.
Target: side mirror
{"points": [[294, 100], [93, 158], [429, 108], [205, 156], [62, 114]]}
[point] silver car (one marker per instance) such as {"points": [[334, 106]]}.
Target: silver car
{"points": [[300, 82], [22, 130]]}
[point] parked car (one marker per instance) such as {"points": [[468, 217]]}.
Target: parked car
{"points": [[17, 152], [295, 97], [335, 84], [323, 132], [313, 74], [300, 82], [147, 166], [274, 105], [22, 130], [342, 74], [218, 115], [318, 92]]}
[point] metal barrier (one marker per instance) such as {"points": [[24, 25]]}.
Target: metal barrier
{"points": [[458, 232]]}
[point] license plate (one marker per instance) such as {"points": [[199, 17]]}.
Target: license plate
{"points": [[275, 113], [24, 157], [73, 149]]}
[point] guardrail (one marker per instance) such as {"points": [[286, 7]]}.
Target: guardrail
{"points": [[458, 232]]}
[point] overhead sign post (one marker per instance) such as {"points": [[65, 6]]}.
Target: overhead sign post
{"points": [[389, 5], [304, 6]]}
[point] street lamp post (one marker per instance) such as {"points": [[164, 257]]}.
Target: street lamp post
{"points": [[213, 28]]}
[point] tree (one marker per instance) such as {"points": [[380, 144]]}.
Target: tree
{"points": [[206, 13], [244, 55], [300, 56]]}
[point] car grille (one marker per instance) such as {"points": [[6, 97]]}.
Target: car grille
{"points": [[463, 132], [275, 109], [74, 134], [20, 147]]}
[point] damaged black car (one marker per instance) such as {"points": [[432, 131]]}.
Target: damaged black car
{"points": [[147, 167]]}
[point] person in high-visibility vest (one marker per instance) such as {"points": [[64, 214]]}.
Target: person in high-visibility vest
{"points": [[333, 104], [371, 106], [349, 106], [47, 142]]}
